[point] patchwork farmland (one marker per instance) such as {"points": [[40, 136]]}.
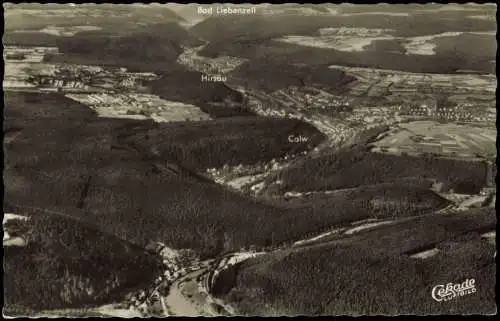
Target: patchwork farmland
{"points": [[429, 137]]}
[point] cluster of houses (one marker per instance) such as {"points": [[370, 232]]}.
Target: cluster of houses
{"points": [[253, 173], [27, 54], [210, 66], [90, 78], [176, 265], [453, 112]]}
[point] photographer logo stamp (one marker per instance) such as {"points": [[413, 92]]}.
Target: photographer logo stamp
{"points": [[443, 293]]}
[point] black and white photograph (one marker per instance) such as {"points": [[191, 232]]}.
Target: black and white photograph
{"points": [[207, 160]]}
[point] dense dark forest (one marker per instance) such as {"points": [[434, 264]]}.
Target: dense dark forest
{"points": [[273, 73], [74, 162], [232, 141], [177, 83], [320, 279], [363, 167], [70, 264]]}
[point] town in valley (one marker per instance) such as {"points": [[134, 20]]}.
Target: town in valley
{"points": [[236, 160]]}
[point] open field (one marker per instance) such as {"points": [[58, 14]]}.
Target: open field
{"points": [[407, 83], [355, 39], [342, 39], [123, 105], [373, 272], [68, 31], [421, 137]]}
